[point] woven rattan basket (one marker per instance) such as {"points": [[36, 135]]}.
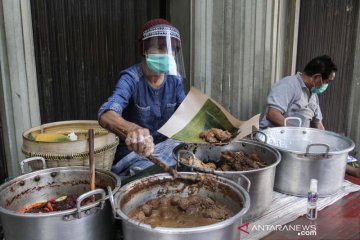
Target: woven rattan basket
{"points": [[72, 153]]}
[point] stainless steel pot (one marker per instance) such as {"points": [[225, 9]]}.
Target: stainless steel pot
{"points": [[91, 222], [262, 180], [308, 153], [220, 189]]}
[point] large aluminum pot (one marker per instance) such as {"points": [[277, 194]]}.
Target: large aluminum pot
{"points": [[220, 189], [90, 222], [308, 153], [262, 180]]}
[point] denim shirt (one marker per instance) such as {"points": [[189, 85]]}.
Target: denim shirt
{"points": [[136, 101]]}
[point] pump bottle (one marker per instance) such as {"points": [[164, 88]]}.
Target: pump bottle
{"points": [[312, 200]]}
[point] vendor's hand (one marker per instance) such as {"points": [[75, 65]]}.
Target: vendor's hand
{"points": [[140, 141]]}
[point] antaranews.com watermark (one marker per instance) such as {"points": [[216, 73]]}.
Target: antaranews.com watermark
{"points": [[301, 229]]}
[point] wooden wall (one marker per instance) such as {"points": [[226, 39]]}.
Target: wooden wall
{"points": [[239, 49], [80, 49], [329, 27]]}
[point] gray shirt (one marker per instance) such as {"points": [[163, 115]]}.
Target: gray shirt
{"points": [[293, 99]]}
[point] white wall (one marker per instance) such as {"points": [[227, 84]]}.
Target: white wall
{"points": [[19, 102]]}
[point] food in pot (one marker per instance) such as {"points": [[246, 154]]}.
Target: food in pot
{"points": [[181, 212], [57, 204], [48, 137], [229, 161], [198, 163], [216, 135], [240, 161], [63, 136]]}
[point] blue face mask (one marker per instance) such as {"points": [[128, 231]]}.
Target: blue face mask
{"points": [[160, 63], [320, 89]]}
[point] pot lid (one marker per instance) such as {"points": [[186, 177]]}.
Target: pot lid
{"points": [[305, 140]]}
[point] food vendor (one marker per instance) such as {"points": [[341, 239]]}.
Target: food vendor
{"points": [[145, 97]]}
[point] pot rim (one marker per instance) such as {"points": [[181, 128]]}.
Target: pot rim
{"points": [[215, 226], [48, 171], [266, 146], [344, 138]]}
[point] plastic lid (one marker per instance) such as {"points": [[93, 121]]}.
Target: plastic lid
{"points": [[313, 185]]}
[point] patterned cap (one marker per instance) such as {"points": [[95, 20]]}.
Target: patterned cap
{"points": [[159, 28], [161, 31]]}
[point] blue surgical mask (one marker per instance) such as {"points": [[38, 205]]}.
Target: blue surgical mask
{"points": [[160, 63], [320, 89]]}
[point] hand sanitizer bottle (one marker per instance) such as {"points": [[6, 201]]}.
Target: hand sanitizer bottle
{"points": [[312, 200]]}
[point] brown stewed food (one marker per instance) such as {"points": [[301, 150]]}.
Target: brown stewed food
{"points": [[229, 161], [181, 212], [216, 135]]}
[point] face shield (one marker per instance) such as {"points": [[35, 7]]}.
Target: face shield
{"points": [[162, 51]]}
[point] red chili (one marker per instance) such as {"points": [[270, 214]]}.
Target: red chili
{"points": [[49, 206]]}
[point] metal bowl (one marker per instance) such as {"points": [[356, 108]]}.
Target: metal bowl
{"points": [[90, 222], [262, 179], [140, 191]]}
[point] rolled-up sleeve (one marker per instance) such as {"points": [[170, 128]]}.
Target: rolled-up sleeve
{"points": [[281, 96], [120, 97], [317, 113]]}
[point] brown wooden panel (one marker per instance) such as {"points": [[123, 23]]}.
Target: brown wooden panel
{"points": [[329, 27], [80, 49]]}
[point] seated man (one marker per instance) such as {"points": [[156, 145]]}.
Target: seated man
{"points": [[297, 95]]}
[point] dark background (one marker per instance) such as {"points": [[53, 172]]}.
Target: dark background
{"points": [[80, 49]]}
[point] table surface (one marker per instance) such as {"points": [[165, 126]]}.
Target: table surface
{"points": [[341, 220]]}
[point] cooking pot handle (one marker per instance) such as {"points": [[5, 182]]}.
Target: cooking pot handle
{"points": [[244, 181], [27, 160], [112, 202], [259, 132], [293, 118], [89, 194], [187, 152], [318, 144]]}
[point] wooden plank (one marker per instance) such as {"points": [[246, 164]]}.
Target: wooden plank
{"points": [[3, 168], [41, 41], [259, 55], [228, 53], [353, 123], [238, 57], [248, 64], [218, 36]]}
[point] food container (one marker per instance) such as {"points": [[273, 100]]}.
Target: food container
{"points": [[70, 153], [90, 222], [220, 189], [262, 179], [308, 153]]}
